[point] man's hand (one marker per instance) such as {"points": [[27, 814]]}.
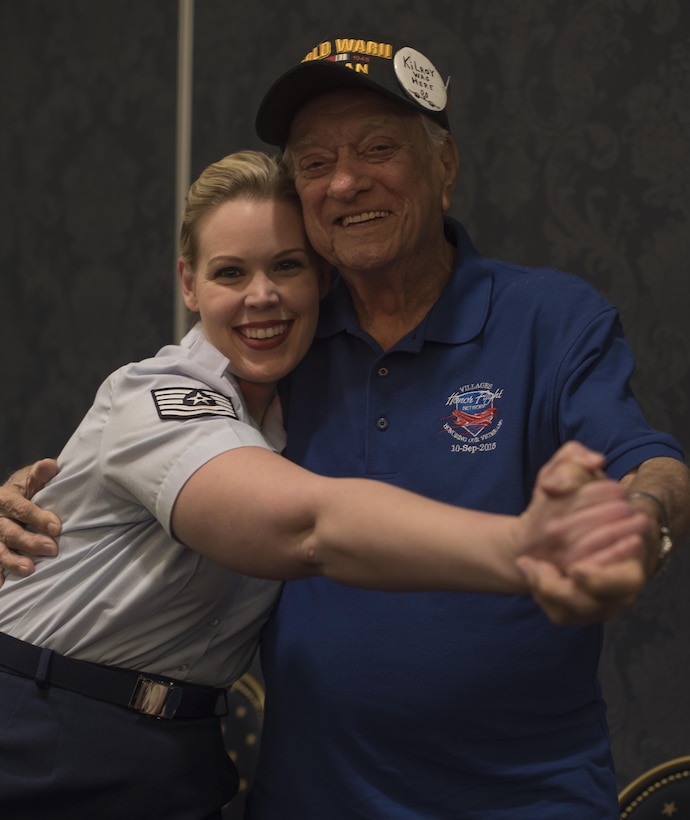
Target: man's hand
{"points": [[589, 593], [587, 564], [577, 513], [16, 510]]}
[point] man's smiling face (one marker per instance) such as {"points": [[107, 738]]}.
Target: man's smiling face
{"points": [[373, 187]]}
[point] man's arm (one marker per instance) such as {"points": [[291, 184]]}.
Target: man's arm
{"points": [[16, 509], [668, 481]]}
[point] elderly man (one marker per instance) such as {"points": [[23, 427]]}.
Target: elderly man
{"points": [[456, 376]]}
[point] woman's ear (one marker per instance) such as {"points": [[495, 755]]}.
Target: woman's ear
{"points": [[188, 283]]}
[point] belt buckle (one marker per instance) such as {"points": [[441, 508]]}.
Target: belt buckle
{"points": [[151, 697]]}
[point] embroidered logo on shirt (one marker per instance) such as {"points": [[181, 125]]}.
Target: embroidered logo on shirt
{"points": [[474, 420], [179, 403]]}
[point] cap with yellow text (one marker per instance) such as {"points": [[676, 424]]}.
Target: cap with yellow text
{"points": [[391, 68]]}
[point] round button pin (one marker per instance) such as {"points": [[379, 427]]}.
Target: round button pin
{"points": [[420, 79]]}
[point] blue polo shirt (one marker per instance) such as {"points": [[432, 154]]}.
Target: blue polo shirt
{"points": [[448, 705]]}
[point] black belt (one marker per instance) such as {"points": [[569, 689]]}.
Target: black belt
{"points": [[144, 693]]}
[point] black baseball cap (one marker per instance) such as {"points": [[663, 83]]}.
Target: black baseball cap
{"points": [[388, 67]]}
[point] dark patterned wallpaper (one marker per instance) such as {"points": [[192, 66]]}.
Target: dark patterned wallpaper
{"points": [[573, 121], [87, 149]]}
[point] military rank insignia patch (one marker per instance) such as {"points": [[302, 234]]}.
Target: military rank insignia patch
{"points": [[180, 403]]}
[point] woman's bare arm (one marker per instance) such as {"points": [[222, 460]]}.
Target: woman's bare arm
{"points": [[257, 513]]}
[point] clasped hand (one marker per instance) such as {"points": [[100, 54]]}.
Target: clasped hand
{"points": [[588, 560]]}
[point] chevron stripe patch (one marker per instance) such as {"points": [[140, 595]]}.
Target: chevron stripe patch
{"points": [[180, 403]]}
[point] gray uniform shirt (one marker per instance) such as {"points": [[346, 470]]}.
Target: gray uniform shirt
{"points": [[122, 590]]}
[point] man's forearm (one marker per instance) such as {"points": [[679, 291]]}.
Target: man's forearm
{"points": [[667, 480]]}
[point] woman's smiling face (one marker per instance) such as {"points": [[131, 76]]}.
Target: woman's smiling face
{"points": [[256, 286]]}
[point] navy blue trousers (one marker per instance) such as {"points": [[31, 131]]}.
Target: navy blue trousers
{"points": [[68, 757]]}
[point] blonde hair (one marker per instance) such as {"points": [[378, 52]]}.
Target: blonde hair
{"points": [[244, 174]]}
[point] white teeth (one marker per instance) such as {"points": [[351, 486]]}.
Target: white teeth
{"points": [[263, 332], [350, 220]]}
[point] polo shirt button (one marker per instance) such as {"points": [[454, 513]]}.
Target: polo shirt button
{"points": [[382, 423], [383, 372], [214, 622], [184, 667]]}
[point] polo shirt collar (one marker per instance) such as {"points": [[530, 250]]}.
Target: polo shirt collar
{"points": [[457, 317]]}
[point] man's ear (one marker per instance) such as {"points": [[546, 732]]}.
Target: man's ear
{"points": [[187, 281], [450, 161]]}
